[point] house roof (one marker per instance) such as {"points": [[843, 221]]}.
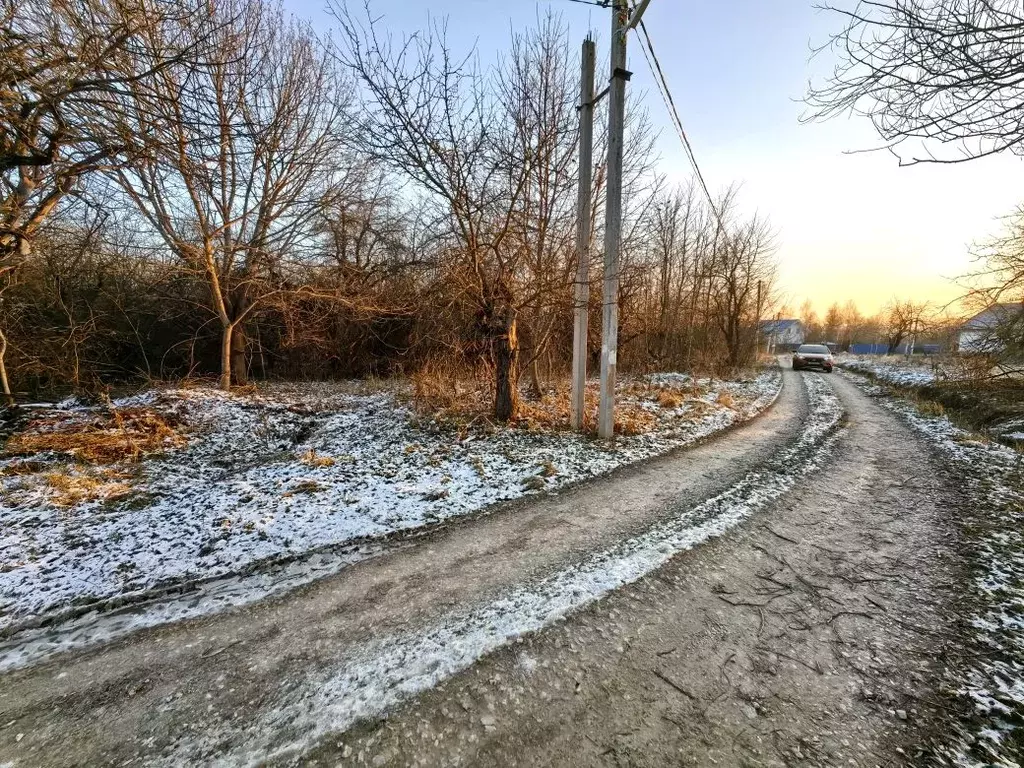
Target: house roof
{"points": [[779, 326], [993, 316]]}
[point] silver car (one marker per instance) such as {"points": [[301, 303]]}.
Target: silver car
{"points": [[813, 356]]}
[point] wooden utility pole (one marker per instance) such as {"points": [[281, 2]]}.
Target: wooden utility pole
{"points": [[581, 320], [613, 218]]}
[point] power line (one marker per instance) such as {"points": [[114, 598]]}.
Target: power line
{"points": [[670, 104]]}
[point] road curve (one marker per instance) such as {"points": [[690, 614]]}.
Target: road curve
{"points": [[812, 635], [143, 697]]}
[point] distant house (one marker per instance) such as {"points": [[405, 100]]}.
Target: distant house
{"points": [[782, 335], [981, 333]]}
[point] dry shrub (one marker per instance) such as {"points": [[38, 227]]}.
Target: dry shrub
{"points": [[549, 412], [304, 486], [670, 398], [632, 420], [435, 387], [69, 489], [124, 434], [310, 458], [437, 392], [454, 394]]}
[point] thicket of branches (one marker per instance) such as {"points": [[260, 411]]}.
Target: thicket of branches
{"points": [[214, 190]]}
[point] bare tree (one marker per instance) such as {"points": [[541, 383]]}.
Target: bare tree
{"points": [[999, 276], [745, 257], [537, 94], [903, 318], [833, 323], [852, 324], [492, 156], [929, 74], [233, 158], [62, 64]]}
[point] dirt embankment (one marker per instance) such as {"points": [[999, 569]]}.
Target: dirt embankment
{"points": [[992, 407]]}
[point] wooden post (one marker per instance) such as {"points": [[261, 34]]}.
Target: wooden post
{"points": [[581, 314], [613, 219]]}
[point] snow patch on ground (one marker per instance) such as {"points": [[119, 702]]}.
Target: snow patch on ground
{"points": [[387, 670], [993, 475], [241, 502], [892, 369]]}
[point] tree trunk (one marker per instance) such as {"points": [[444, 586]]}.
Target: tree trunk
{"points": [[505, 346], [225, 357], [538, 390], [239, 365], [5, 385]]}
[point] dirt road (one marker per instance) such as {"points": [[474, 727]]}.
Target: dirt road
{"points": [[613, 627]]}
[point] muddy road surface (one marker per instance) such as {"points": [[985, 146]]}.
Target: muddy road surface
{"points": [[780, 595]]}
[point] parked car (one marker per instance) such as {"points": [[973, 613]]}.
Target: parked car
{"points": [[813, 356]]}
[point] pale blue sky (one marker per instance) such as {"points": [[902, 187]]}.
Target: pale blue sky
{"points": [[850, 226]]}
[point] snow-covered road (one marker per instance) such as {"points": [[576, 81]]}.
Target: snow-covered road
{"points": [[778, 593]]}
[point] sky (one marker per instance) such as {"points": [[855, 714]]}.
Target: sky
{"points": [[850, 226]]}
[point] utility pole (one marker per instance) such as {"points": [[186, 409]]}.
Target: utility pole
{"points": [[613, 218], [622, 22], [581, 319], [757, 325]]}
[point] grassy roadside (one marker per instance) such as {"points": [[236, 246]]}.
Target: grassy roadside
{"points": [[985, 676], [991, 409]]}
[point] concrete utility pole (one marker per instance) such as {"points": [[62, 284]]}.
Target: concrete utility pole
{"points": [[581, 318], [757, 325], [613, 217]]}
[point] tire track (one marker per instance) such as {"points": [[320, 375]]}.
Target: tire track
{"points": [[390, 669], [208, 690]]}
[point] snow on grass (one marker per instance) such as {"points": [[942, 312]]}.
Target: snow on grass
{"points": [[893, 369], [276, 476], [993, 531], [383, 672]]}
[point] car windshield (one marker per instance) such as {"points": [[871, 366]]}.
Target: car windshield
{"points": [[812, 349]]}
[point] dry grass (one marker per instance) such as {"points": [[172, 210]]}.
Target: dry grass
{"points": [[670, 398], [725, 399], [466, 400], [551, 412], [634, 421], [312, 459], [125, 434], [70, 488], [304, 486], [439, 388], [930, 408]]}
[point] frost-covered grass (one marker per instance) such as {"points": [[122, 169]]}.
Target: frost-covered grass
{"points": [[894, 369], [379, 674], [289, 471], [977, 395], [993, 531]]}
